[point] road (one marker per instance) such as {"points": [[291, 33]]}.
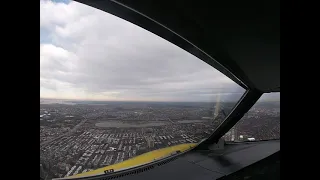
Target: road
{"points": [[65, 134]]}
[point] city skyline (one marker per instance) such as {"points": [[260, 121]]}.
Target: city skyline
{"points": [[267, 97]]}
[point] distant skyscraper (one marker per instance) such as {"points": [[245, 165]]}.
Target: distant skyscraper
{"points": [[235, 132], [232, 134], [150, 142]]}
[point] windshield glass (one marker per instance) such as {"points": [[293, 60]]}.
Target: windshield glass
{"points": [[262, 122], [111, 92]]}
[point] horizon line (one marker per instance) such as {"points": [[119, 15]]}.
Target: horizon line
{"points": [[65, 99]]}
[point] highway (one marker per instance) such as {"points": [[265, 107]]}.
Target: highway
{"points": [[167, 118]]}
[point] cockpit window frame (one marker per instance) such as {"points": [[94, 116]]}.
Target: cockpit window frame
{"points": [[248, 99]]}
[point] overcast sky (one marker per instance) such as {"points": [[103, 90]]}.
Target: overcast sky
{"points": [[88, 54]]}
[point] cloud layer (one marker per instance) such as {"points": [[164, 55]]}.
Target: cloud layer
{"points": [[86, 53]]}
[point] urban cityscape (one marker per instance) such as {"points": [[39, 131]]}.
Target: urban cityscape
{"points": [[77, 137]]}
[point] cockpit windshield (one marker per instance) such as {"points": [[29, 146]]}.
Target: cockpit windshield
{"points": [[112, 92], [261, 122]]}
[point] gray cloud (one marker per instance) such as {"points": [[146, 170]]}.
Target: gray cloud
{"points": [[93, 54]]}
